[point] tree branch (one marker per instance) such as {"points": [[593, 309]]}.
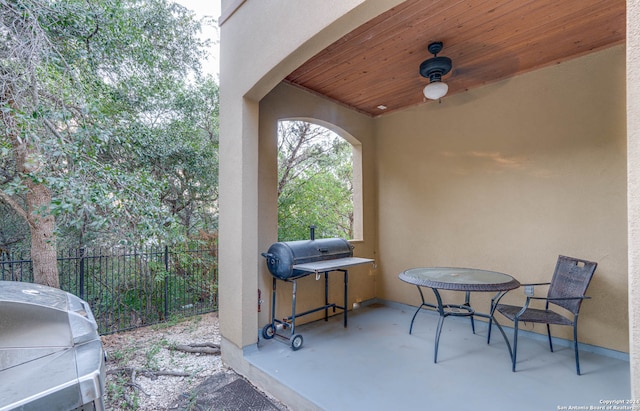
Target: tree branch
{"points": [[132, 371], [52, 129], [16, 207], [204, 348]]}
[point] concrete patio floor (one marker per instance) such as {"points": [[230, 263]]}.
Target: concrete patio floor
{"points": [[375, 364]]}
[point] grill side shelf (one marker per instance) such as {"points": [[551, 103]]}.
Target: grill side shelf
{"points": [[331, 265]]}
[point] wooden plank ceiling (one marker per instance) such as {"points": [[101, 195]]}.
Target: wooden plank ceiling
{"points": [[487, 40]]}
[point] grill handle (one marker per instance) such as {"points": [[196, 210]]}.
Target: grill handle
{"points": [[271, 259]]}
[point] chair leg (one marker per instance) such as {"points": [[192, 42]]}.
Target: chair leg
{"points": [[575, 346], [515, 345], [549, 335]]}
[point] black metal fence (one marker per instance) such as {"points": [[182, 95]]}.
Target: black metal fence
{"points": [[129, 288]]}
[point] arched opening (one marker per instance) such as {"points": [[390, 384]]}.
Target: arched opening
{"points": [[319, 181]]}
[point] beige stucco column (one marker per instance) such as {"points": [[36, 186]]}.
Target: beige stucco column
{"points": [[633, 187], [238, 245]]}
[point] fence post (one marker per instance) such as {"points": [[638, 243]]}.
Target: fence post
{"points": [[166, 282], [81, 273], [2, 258]]}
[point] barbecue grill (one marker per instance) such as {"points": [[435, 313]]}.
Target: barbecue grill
{"points": [[291, 260], [51, 355]]}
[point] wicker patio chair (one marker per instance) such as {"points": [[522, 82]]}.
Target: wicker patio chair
{"points": [[566, 289]]}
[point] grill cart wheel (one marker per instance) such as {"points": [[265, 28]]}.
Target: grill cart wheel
{"points": [[296, 342], [269, 331]]}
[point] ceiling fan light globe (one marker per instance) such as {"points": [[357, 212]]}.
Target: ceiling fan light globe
{"points": [[436, 90]]}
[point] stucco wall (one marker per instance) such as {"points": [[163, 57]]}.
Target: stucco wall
{"points": [[288, 102], [509, 176]]}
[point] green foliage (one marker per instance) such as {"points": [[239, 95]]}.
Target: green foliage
{"points": [[315, 172], [105, 106], [151, 360], [116, 392]]}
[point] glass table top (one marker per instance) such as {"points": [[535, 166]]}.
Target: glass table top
{"points": [[464, 279]]}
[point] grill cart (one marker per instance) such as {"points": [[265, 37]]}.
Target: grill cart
{"points": [[291, 260]]}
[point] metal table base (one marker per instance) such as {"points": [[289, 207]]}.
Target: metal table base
{"points": [[459, 310], [459, 279]]}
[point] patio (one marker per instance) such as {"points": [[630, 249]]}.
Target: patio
{"points": [[504, 176], [375, 364]]}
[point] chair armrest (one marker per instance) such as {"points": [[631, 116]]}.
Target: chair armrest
{"points": [[582, 297], [529, 298], [534, 284]]}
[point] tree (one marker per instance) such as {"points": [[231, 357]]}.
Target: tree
{"points": [[88, 90], [314, 182], [189, 159]]}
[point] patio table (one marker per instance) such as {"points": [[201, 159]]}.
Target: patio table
{"points": [[459, 279]]}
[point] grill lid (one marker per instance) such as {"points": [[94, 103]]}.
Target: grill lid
{"points": [[282, 256]]}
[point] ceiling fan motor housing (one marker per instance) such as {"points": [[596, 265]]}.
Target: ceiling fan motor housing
{"points": [[435, 67]]}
